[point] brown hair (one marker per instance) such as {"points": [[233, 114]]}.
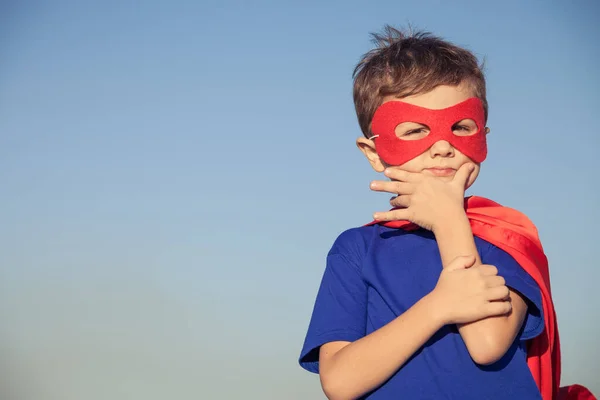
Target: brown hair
{"points": [[405, 64]]}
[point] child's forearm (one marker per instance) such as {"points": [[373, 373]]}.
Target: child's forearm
{"points": [[487, 340], [365, 364], [455, 238]]}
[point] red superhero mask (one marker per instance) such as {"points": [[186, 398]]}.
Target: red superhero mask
{"points": [[396, 151]]}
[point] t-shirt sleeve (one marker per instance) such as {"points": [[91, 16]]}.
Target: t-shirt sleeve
{"points": [[339, 313], [520, 281]]}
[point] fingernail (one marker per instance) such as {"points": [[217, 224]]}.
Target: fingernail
{"points": [[373, 185], [387, 171], [375, 216]]}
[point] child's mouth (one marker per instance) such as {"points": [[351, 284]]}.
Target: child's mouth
{"points": [[441, 171]]}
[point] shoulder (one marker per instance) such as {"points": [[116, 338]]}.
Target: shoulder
{"points": [[354, 242]]}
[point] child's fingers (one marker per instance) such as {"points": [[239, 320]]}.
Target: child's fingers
{"points": [[487, 270], [400, 201], [496, 308], [497, 293], [495, 281], [392, 187], [393, 215], [462, 175], [404, 176]]}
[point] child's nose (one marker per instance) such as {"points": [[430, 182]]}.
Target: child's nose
{"points": [[442, 148]]}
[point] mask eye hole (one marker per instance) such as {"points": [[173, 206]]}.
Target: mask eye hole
{"points": [[465, 127], [411, 131]]}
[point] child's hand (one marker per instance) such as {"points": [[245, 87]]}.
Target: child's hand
{"points": [[466, 294], [426, 200]]}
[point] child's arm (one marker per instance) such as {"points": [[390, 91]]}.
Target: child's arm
{"points": [[487, 340], [349, 370], [462, 294], [438, 206]]}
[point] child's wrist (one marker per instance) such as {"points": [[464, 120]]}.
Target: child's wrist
{"points": [[436, 308], [451, 220]]}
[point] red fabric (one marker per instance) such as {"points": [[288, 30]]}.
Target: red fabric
{"points": [[396, 151], [514, 233], [575, 392]]}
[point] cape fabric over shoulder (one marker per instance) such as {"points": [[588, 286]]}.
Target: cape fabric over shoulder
{"points": [[513, 232]]}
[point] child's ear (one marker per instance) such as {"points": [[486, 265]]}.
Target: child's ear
{"points": [[367, 147]]}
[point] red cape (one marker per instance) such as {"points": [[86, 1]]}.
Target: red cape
{"points": [[514, 233]]}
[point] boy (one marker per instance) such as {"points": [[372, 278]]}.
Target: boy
{"points": [[456, 303]]}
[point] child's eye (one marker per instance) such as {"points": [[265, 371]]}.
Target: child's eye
{"points": [[414, 134], [465, 128], [411, 131]]}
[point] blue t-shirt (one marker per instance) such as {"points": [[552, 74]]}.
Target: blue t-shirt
{"points": [[374, 274]]}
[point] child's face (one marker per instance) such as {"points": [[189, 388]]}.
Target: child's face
{"points": [[441, 160]]}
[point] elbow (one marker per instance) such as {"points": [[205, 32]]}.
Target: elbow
{"points": [[334, 388], [489, 340], [488, 352], [487, 357]]}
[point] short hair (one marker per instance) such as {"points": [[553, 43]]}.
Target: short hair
{"points": [[406, 64]]}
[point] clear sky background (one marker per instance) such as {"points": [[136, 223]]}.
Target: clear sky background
{"points": [[172, 175]]}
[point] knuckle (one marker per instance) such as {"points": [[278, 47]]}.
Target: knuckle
{"points": [[483, 285]]}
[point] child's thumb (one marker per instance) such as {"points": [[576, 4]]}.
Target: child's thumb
{"points": [[463, 174], [461, 262]]}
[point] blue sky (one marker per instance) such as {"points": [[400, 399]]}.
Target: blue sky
{"points": [[172, 175]]}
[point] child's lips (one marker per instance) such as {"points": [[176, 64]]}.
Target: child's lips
{"points": [[441, 171]]}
